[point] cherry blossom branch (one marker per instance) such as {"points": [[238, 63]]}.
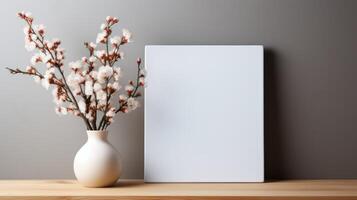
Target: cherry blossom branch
{"points": [[131, 95], [58, 66], [18, 71], [36, 73], [134, 93], [108, 31], [87, 91]]}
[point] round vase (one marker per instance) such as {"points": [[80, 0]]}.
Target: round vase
{"points": [[97, 163]]}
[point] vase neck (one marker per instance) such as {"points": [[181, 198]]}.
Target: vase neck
{"points": [[99, 135]]}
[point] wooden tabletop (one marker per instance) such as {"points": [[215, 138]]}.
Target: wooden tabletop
{"points": [[136, 189]]}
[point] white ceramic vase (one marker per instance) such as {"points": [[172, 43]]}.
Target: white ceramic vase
{"points": [[97, 163]]}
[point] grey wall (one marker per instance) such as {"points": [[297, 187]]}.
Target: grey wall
{"points": [[311, 65]]}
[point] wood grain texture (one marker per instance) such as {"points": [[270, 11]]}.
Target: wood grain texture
{"points": [[136, 189]]}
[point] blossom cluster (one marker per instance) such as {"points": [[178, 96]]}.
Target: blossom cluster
{"points": [[93, 81]]}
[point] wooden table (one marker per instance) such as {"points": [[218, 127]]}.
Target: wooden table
{"points": [[136, 189]]}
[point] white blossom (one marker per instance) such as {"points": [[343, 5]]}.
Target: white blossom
{"points": [[74, 79], [64, 111], [50, 44], [30, 70], [61, 111], [117, 73], [49, 65], [36, 58], [26, 30], [123, 97], [129, 88], [99, 53], [127, 35], [97, 87], [113, 87], [94, 74], [71, 108], [76, 113], [116, 86], [84, 72], [28, 14], [58, 110], [30, 46], [132, 104], [92, 45], [88, 87], [54, 94], [58, 97], [101, 103], [33, 37], [92, 59], [50, 71], [46, 80], [45, 57], [110, 113], [82, 106], [104, 73], [116, 40], [75, 65], [101, 95], [60, 56], [101, 37], [45, 83], [39, 28], [102, 26]]}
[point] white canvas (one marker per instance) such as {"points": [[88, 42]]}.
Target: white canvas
{"points": [[204, 114]]}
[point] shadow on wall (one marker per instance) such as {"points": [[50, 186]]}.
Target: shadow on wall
{"points": [[273, 132]]}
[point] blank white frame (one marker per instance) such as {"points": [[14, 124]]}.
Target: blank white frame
{"points": [[204, 113]]}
